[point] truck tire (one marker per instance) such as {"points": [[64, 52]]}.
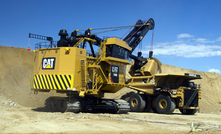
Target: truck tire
{"points": [[137, 103], [154, 110], [148, 106], [188, 111], [147, 101], [165, 104], [126, 97]]}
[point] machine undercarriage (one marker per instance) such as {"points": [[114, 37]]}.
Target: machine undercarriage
{"points": [[87, 104]]}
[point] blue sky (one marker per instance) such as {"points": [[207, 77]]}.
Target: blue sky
{"points": [[187, 33]]}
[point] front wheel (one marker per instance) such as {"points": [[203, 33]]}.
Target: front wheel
{"points": [[137, 103], [165, 104], [126, 96], [188, 111]]}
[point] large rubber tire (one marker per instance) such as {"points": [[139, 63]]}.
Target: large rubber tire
{"points": [[137, 103], [188, 111], [154, 110], [165, 104], [148, 102], [126, 97]]}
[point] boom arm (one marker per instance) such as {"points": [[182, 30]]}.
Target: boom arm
{"points": [[134, 38], [138, 33]]}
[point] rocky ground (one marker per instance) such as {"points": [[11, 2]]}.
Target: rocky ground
{"points": [[18, 119]]}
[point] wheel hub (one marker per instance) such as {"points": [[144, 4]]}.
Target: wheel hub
{"points": [[163, 104], [134, 102]]}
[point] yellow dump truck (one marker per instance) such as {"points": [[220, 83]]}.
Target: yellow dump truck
{"points": [[162, 92]]}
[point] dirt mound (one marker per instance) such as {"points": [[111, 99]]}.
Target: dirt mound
{"points": [[16, 69]]}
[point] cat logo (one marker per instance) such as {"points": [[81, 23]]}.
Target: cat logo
{"points": [[115, 69], [48, 63]]}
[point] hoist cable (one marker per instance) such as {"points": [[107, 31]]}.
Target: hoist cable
{"points": [[118, 27], [151, 45], [110, 30], [129, 29]]}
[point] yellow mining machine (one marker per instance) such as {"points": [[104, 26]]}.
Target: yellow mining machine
{"points": [[68, 67], [85, 77]]}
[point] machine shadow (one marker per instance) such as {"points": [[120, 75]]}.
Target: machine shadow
{"points": [[44, 109], [41, 109]]}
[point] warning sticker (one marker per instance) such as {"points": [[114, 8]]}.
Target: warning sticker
{"points": [[115, 73]]}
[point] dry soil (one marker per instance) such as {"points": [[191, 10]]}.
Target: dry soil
{"points": [[22, 112]]}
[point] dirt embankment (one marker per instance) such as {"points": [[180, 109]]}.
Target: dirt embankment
{"points": [[20, 115], [16, 69]]}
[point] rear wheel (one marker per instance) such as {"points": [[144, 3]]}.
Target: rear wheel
{"points": [[154, 110], [188, 111], [137, 103], [165, 104], [148, 102]]}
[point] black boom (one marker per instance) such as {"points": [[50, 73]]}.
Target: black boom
{"points": [[139, 31]]}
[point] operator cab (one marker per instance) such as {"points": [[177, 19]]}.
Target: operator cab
{"points": [[117, 48], [116, 51]]}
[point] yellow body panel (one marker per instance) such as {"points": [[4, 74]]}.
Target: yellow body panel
{"points": [[61, 73], [120, 43]]}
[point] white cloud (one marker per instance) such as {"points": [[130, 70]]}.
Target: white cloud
{"points": [[218, 39], [188, 48], [184, 35], [203, 40], [214, 70]]}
